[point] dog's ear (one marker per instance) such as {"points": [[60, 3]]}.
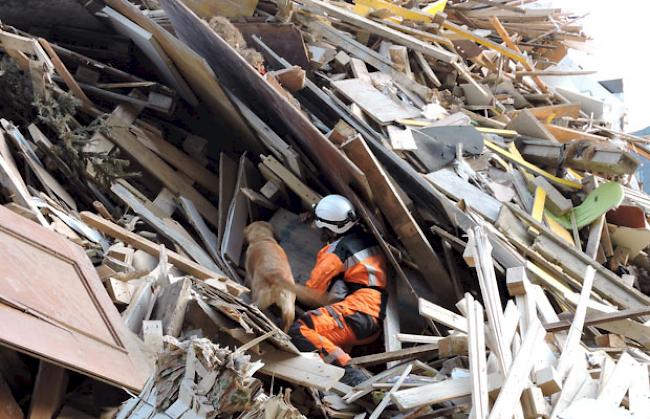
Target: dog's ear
{"points": [[272, 230], [247, 232]]}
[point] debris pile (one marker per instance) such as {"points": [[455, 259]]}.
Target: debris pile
{"points": [[198, 376], [492, 171]]}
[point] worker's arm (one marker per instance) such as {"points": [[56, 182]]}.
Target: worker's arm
{"points": [[315, 293], [313, 298]]}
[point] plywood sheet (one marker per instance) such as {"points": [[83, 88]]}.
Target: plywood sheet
{"points": [[53, 306]]}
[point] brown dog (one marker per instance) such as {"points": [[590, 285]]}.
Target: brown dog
{"points": [[269, 272]]}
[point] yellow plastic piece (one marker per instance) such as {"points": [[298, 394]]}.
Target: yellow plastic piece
{"points": [[574, 174], [400, 11], [501, 132], [513, 149], [520, 161], [559, 230], [538, 204], [435, 7], [413, 122]]}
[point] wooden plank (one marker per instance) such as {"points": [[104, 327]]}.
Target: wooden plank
{"points": [[54, 188], [429, 394], [381, 30], [139, 242], [521, 162], [391, 321], [178, 159], [489, 290], [171, 304], [565, 135], [595, 233], [451, 184], [402, 221], [516, 380], [380, 107], [208, 238], [306, 369], [280, 149], [639, 392], [227, 180], [503, 33], [618, 383], [408, 338], [526, 124], [382, 358], [386, 399], [427, 70], [188, 245], [442, 315], [359, 70], [66, 76], [127, 141], [477, 357], [572, 344], [20, 194], [49, 391], [555, 201], [153, 51], [308, 196]]}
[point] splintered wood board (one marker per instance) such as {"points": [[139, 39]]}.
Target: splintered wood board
{"points": [[53, 306], [380, 107]]}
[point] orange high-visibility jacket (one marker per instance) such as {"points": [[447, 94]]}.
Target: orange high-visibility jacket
{"points": [[359, 261]]}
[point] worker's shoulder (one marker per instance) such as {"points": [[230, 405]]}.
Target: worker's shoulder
{"points": [[356, 241]]}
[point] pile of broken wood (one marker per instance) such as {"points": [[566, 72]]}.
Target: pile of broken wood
{"points": [[505, 201]]}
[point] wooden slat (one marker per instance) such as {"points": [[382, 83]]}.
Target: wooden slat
{"points": [[401, 220], [382, 358], [516, 380], [178, 159], [139, 242], [66, 76]]}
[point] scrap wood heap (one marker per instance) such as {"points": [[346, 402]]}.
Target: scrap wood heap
{"points": [[198, 376], [493, 171]]}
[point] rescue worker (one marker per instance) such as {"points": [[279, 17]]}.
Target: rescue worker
{"points": [[350, 273]]}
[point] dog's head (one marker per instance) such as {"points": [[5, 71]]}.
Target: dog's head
{"points": [[259, 230]]}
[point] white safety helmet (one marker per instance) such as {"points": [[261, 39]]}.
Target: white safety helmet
{"points": [[335, 213]]}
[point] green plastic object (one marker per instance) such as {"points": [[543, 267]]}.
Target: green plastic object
{"points": [[602, 199]]}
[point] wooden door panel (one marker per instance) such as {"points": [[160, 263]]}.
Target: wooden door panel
{"points": [[53, 306]]}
